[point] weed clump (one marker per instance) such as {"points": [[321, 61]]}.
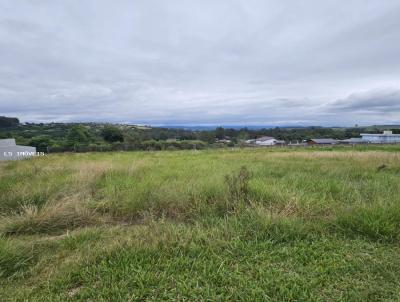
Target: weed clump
{"points": [[14, 258], [238, 187], [51, 219]]}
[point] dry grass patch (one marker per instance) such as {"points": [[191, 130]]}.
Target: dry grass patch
{"points": [[55, 217]]}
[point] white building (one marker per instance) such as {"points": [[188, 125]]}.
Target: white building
{"points": [[9, 150], [386, 138], [265, 141]]}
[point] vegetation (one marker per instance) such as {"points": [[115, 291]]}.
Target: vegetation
{"points": [[8, 121], [240, 224], [78, 134], [86, 137], [112, 134]]}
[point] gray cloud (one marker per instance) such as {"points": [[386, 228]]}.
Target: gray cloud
{"points": [[201, 62], [375, 101]]}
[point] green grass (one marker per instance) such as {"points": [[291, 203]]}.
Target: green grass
{"points": [[249, 225]]}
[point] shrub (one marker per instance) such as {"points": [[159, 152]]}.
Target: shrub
{"points": [[41, 142]]}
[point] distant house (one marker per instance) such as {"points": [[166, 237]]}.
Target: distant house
{"points": [[322, 141], [265, 141], [387, 137], [9, 150]]}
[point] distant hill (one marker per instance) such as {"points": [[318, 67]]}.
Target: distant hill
{"points": [[236, 127]]}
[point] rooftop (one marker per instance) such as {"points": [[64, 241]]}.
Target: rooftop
{"points": [[264, 138], [353, 140]]}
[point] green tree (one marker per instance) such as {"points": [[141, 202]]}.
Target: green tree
{"points": [[8, 121], [41, 142], [207, 136], [78, 134], [112, 134]]}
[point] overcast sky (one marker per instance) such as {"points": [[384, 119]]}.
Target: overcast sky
{"points": [[219, 62]]}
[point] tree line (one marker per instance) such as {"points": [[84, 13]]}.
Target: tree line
{"points": [[80, 137]]}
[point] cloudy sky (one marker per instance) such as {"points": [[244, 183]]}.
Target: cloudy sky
{"points": [[216, 62]]}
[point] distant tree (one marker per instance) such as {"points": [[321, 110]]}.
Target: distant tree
{"points": [[220, 133], [163, 136], [78, 134], [112, 134], [8, 121], [41, 142], [243, 133], [230, 132], [207, 136], [133, 140]]}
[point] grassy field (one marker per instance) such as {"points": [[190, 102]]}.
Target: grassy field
{"points": [[249, 225]]}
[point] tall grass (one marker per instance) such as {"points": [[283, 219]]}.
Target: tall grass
{"points": [[257, 224], [375, 222]]}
